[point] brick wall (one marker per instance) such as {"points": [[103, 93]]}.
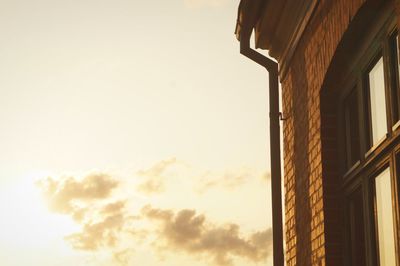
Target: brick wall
{"points": [[312, 201]]}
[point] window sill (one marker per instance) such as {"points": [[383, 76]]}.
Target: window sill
{"points": [[373, 148], [350, 171], [396, 126]]}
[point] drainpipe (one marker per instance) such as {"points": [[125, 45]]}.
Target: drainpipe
{"points": [[275, 150]]}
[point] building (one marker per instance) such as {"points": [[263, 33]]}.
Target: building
{"points": [[339, 74]]}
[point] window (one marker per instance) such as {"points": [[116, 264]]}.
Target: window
{"points": [[384, 218], [356, 224], [352, 127], [376, 103], [394, 67], [369, 130]]}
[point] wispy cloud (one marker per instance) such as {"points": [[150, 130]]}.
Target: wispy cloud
{"points": [[155, 177], [192, 233], [152, 186], [229, 179], [122, 257], [158, 168]]}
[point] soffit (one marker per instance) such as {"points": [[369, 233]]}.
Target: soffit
{"points": [[249, 13], [279, 22], [279, 25]]}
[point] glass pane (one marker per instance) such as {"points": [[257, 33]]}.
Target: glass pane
{"points": [[394, 47], [397, 49], [356, 216], [377, 102], [384, 218], [352, 129]]}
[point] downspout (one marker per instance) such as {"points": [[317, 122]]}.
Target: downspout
{"points": [[275, 150]]}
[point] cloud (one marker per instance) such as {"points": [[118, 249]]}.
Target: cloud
{"points": [[159, 176], [114, 207], [123, 257], [103, 229], [227, 180], [152, 186], [110, 222], [99, 234], [67, 195], [89, 201], [204, 3], [158, 168], [191, 233], [155, 177]]}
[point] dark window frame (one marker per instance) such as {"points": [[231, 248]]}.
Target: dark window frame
{"points": [[373, 158], [394, 60]]}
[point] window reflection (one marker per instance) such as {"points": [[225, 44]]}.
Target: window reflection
{"points": [[394, 61], [384, 219], [377, 102], [356, 215], [352, 129]]}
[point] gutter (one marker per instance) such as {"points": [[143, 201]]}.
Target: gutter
{"points": [[275, 115]]}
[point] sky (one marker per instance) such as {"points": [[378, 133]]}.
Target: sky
{"points": [[131, 133]]}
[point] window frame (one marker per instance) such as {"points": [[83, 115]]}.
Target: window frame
{"points": [[394, 76], [373, 158]]}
